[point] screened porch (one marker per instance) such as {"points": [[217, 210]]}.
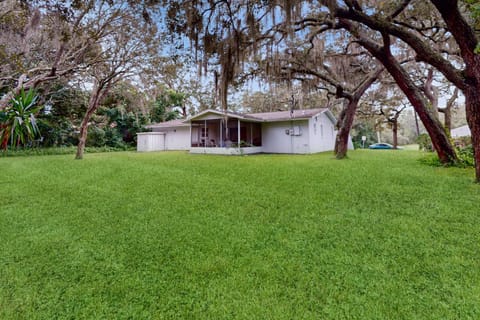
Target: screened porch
{"points": [[214, 134]]}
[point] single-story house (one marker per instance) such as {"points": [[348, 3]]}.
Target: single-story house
{"points": [[217, 132], [463, 131]]}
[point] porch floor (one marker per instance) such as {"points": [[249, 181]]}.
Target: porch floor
{"points": [[226, 151]]}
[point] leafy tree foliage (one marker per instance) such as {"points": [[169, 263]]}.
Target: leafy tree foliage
{"points": [[65, 105], [363, 129], [167, 106]]}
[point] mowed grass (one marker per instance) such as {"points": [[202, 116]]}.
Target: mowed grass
{"points": [[180, 236]]}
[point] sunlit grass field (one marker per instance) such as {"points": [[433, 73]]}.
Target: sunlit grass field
{"points": [[179, 236]]}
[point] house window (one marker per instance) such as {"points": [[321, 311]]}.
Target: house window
{"points": [[314, 128], [321, 130]]}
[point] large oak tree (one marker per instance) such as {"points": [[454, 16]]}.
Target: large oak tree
{"points": [[454, 19]]}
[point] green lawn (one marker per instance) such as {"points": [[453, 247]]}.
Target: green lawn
{"points": [[180, 236]]}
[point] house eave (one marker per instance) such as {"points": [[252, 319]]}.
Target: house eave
{"points": [[156, 126], [221, 115], [285, 119]]}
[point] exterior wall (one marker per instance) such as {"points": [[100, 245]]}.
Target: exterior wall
{"points": [[463, 131], [176, 138], [275, 139], [150, 141], [322, 133], [316, 134], [350, 143]]}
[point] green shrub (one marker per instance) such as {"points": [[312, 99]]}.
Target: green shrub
{"points": [[113, 138], [95, 137], [424, 142], [22, 152], [18, 124], [466, 156], [57, 134]]}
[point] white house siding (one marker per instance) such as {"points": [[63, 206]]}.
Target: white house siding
{"points": [[275, 139], [350, 143], [176, 138], [463, 131], [150, 141], [322, 133]]}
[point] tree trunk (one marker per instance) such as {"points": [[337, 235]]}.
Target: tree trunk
{"points": [[472, 105], [441, 143], [445, 151], [417, 127], [184, 110], [345, 124], [395, 133], [447, 111], [467, 41], [448, 120], [431, 92], [83, 135], [345, 121], [99, 91]]}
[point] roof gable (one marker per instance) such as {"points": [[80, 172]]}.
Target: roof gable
{"points": [[215, 114]]}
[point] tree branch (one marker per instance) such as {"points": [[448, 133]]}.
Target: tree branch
{"points": [[424, 52]]}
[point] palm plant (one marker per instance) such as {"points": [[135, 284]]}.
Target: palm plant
{"points": [[18, 125]]}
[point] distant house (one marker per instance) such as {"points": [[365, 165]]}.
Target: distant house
{"points": [[463, 131], [216, 132]]}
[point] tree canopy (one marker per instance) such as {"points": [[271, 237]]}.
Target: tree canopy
{"points": [[341, 48]]}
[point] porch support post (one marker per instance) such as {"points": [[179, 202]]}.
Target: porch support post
{"points": [[199, 129], [191, 144], [205, 137], [220, 143], [238, 129], [251, 134]]}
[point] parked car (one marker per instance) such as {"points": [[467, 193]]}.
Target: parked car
{"points": [[381, 146]]}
